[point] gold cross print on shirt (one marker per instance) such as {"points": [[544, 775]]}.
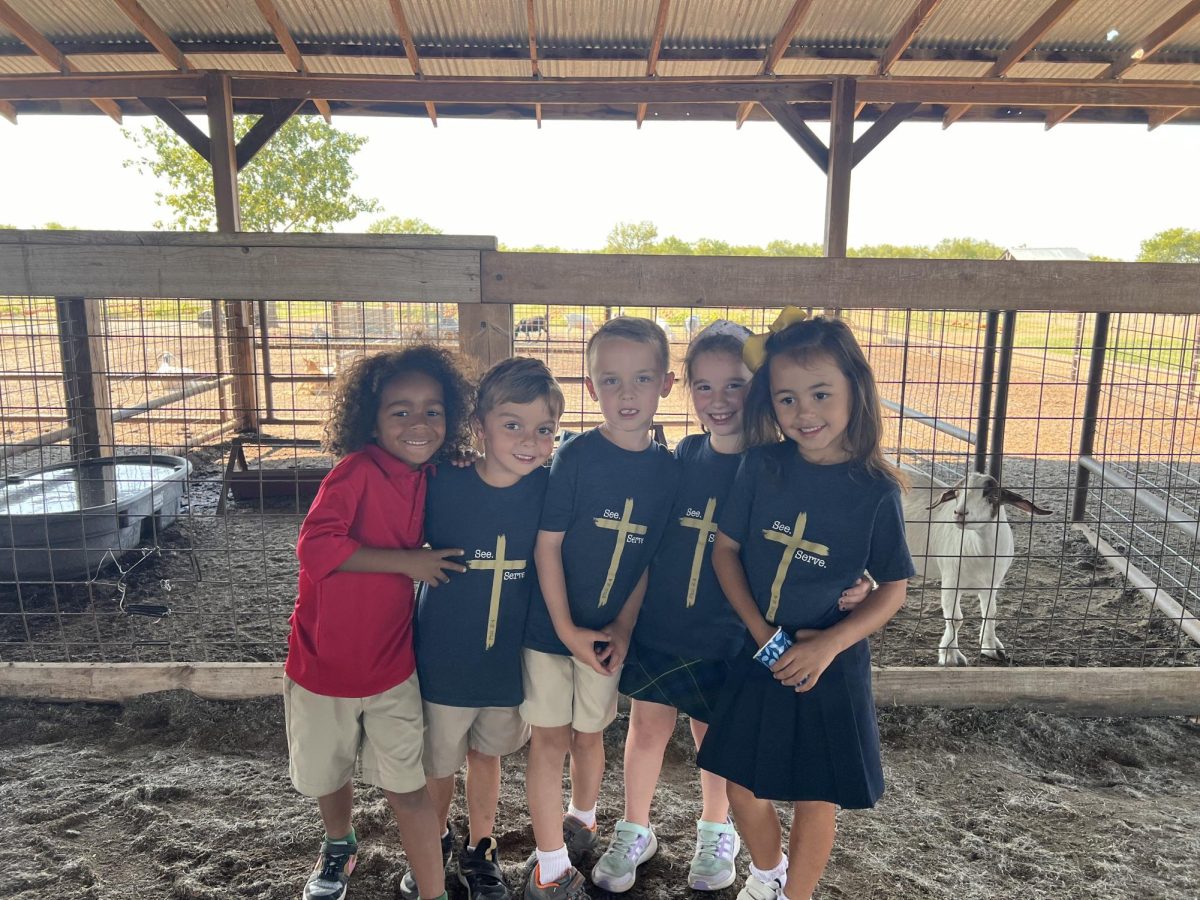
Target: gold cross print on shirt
{"points": [[791, 543], [623, 527], [705, 527], [499, 566]]}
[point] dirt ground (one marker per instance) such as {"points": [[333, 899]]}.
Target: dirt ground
{"points": [[174, 797]]}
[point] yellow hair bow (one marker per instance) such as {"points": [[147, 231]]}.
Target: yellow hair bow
{"points": [[754, 351]]}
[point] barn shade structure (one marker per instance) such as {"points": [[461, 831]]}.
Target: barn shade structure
{"points": [[874, 64]]}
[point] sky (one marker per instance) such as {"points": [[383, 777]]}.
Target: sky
{"points": [[1100, 188]]}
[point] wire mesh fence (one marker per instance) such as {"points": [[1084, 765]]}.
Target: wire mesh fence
{"points": [[209, 574]]}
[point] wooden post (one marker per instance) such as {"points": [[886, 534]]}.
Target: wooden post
{"points": [[485, 333], [85, 377], [841, 162], [238, 315]]}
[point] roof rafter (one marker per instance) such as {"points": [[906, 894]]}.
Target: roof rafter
{"points": [[1016, 51], [271, 13], [779, 47], [905, 36], [531, 17], [660, 28], [1152, 43], [48, 53], [410, 50], [150, 29]]}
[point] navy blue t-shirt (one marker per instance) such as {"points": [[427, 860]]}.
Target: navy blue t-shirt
{"points": [[808, 531], [611, 505], [470, 630], [685, 611]]}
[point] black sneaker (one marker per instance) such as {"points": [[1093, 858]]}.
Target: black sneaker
{"points": [[332, 871], [479, 872], [408, 884]]}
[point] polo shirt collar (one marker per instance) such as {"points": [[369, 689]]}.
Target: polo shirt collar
{"points": [[392, 467]]}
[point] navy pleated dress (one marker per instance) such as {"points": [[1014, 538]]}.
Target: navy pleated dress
{"points": [[806, 533]]}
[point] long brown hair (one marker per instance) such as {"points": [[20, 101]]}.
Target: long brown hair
{"points": [[805, 341]]}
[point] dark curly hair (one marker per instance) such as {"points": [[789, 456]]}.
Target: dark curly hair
{"points": [[355, 402]]}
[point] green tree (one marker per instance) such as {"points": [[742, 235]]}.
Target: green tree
{"points": [[632, 237], [300, 181], [966, 248], [1173, 245], [397, 225]]}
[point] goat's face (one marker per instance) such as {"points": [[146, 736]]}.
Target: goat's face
{"points": [[979, 500]]}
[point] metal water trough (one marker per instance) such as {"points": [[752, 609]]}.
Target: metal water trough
{"points": [[66, 522]]}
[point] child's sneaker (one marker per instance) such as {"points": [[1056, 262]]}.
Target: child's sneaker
{"points": [[581, 840], [332, 871], [570, 886], [716, 848], [408, 884], [754, 889], [631, 845], [479, 872]]}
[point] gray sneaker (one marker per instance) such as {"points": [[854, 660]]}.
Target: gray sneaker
{"points": [[332, 871], [581, 840], [631, 845], [570, 886], [712, 865], [754, 889]]}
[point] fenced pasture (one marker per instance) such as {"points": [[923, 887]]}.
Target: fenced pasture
{"points": [[1090, 414]]}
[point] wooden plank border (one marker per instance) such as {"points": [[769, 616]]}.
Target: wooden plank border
{"points": [[241, 267], [1070, 691], [597, 279]]}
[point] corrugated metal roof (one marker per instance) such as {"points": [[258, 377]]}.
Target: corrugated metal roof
{"points": [[358, 65], [722, 23], [588, 68], [976, 25], [825, 67], [1047, 253], [1082, 71], [241, 62], [853, 25], [1151, 72], [960, 68], [197, 20], [121, 62], [463, 23], [72, 20], [706, 68], [24, 65], [338, 21], [468, 68], [1088, 24]]}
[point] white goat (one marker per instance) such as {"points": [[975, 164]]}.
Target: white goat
{"points": [[960, 535]]}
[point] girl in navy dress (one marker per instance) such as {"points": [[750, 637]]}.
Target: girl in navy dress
{"points": [[796, 721]]}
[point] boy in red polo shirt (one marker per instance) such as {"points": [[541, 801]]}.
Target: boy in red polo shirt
{"points": [[350, 691]]}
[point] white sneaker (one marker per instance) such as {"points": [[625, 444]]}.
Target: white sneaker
{"points": [[754, 889]]}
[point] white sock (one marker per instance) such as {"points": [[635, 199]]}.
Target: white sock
{"points": [[588, 818], [551, 865], [766, 876]]}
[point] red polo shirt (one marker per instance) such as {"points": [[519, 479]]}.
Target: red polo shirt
{"points": [[352, 631]]}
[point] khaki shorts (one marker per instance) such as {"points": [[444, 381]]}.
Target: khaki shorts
{"points": [[560, 690], [327, 735], [452, 730]]}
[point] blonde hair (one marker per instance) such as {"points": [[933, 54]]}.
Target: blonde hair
{"points": [[641, 331]]}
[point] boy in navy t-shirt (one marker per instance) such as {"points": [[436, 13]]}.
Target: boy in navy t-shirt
{"points": [[606, 506], [470, 630]]}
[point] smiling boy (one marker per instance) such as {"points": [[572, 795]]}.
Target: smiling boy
{"points": [[606, 505]]}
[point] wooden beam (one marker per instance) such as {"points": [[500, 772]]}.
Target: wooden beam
{"points": [[779, 46], [1154, 41], [85, 378], [485, 334], [1163, 116], [841, 162], [660, 28], [531, 21], [1058, 116], [48, 53], [791, 122], [116, 682], [8, 111], [1038, 93], [425, 268], [174, 118], [905, 36], [222, 153], [1017, 50], [410, 50], [719, 281], [280, 29], [881, 128], [150, 29], [264, 129]]}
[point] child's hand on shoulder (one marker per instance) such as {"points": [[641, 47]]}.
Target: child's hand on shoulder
{"points": [[433, 566], [465, 458], [592, 648], [802, 664], [855, 594]]}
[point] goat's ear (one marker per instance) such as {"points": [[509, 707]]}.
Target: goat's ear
{"points": [[945, 498], [1016, 500]]}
